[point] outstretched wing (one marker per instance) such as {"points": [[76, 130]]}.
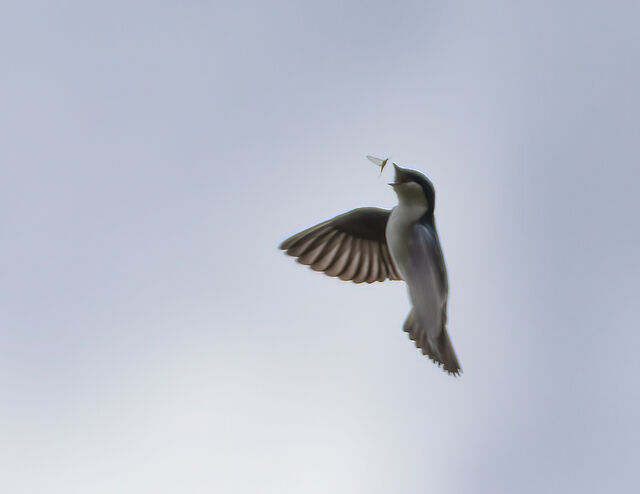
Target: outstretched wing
{"points": [[428, 290], [351, 246]]}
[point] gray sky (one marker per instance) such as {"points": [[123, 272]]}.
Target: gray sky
{"points": [[152, 338]]}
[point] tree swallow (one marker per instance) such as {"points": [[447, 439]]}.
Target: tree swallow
{"points": [[372, 244]]}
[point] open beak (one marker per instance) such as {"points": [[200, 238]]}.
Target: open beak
{"points": [[398, 178]]}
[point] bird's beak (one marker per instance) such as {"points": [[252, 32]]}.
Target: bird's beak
{"points": [[397, 178]]}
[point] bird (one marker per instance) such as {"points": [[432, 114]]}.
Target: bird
{"points": [[370, 244]]}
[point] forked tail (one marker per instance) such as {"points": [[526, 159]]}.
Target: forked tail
{"points": [[440, 351]]}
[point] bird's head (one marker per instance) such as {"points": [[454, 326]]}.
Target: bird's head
{"points": [[413, 188]]}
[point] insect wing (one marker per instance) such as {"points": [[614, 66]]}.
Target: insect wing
{"points": [[375, 160]]}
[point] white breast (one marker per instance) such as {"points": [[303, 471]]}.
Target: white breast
{"points": [[399, 226]]}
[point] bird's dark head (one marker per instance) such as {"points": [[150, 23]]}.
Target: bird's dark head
{"points": [[413, 188]]}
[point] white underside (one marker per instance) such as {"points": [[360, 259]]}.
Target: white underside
{"points": [[401, 221]]}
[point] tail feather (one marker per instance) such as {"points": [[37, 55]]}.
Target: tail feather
{"points": [[441, 351]]}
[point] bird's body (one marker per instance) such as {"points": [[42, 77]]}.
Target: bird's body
{"points": [[371, 244], [410, 209]]}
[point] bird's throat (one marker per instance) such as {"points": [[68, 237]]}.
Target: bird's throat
{"points": [[401, 221]]}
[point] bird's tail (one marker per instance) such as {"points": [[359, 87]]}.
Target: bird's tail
{"points": [[440, 351]]}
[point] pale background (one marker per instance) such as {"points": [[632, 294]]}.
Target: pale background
{"points": [[154, 154]]}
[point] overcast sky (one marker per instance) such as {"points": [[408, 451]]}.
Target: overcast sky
{"points": [[154, 154]]}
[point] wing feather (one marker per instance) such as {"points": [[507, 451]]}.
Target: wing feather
{"points": [[374, 270], [342, 258], [354, 261], [317, 247], [351, 246], [302, 244], [329, 253], [364, 264]]}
